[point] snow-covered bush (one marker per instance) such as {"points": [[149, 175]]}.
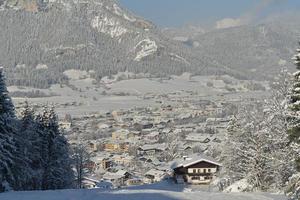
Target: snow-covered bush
{"points": [[240, 186], [293, 189]]}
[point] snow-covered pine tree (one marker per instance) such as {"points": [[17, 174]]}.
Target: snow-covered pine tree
{"points": [[20, 169], [7, 108], [246, 150], [41, 130], [296, 58], [254, 150], [293, 189], [294, 126], [58, 173], [8, 150], [232, 172], [7, 153], [294, 130], [23, 172], [282, 167], [32, 147]]}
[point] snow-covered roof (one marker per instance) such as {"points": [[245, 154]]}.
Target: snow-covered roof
{"points": [[91, 179], [186, 162], [155, 172], [123, 156], [112, 176], [103, 126], [99, 159], [121, 172], [184, 116], [154, 160], [153, 146], [198, 137], [153, 134], [122, 131]]}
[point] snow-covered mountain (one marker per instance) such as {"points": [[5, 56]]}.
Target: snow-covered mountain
{"points": [[259, 51], [95, 35], [40, 39]]}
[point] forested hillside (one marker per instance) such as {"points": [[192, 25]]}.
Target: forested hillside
{"points": [[41, 40], [251, 49]]}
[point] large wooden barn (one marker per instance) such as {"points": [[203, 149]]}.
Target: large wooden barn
{"points": [[197, 170]]}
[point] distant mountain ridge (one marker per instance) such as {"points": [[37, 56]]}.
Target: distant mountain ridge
{"points": [[259, 51], [95, 35], [40, 39]]}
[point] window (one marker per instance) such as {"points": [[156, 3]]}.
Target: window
{"points": [[199, 171], [209, 170], [204, 170], [195, 178], [194, 171]]}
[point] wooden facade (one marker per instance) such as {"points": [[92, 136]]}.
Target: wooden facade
{"points": [[116, 147], [196, 172]]}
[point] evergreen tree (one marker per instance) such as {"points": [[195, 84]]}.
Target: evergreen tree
{"points": [[42, 133], [8, 150], [7, 108], [256, 148], [34, 154], [293, 189], [294, 130], [232, 171], [294, 126], [58, 172], [282, 166], [31, 147], [245, 154]]}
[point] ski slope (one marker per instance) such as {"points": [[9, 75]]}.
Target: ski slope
{"points": [[147, 194]]}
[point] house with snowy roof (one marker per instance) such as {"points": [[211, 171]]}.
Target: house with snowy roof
{"points": [[155, 175], [152, 137], [123, 159], [197, 138], [117, 178], [151, 149], [198, 169]]}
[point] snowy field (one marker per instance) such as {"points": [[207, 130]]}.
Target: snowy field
{"points": [[146, 194], [164, 190], [83, 96]]}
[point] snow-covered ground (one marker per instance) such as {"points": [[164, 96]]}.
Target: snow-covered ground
{"points": [[158, 191], [83, 96], [146, 194]]}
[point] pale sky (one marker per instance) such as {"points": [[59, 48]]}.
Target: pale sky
{"points": [[168, 13]]}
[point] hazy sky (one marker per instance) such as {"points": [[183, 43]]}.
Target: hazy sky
{"points": [[180, 12]]}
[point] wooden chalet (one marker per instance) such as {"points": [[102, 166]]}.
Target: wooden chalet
{"points": [[197, 170]]}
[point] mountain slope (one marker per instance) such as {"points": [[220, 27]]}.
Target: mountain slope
{"points": [[41, 39], [259, 51]]}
